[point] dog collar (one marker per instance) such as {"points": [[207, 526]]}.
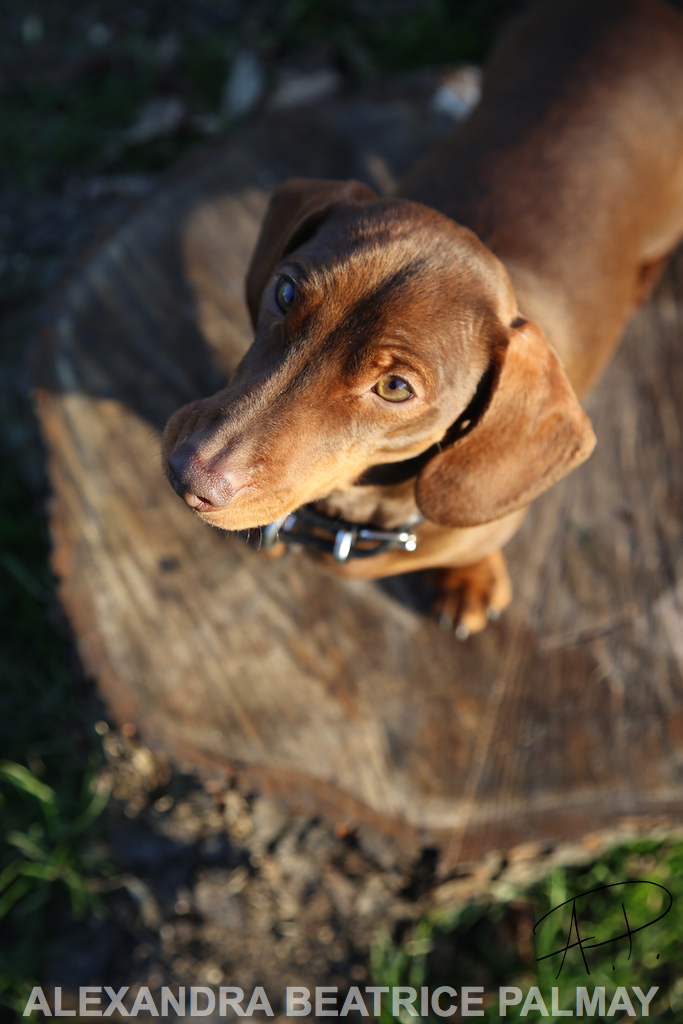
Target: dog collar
{"points": [[337, 537]]}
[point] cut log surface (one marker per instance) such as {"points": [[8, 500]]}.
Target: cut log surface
{"points": [[562, 719]]}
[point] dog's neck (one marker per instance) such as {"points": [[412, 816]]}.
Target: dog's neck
{"points": [[543, 300], [384, 506]]}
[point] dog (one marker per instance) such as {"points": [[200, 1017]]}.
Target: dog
{"points": [[415, 376]]}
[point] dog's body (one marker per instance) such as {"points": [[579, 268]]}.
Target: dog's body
{"points": [[393, 379]]}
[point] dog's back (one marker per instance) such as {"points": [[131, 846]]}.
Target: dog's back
{"points": [[571, 169]]}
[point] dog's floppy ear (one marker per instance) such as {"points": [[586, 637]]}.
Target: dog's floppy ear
{"points": [[528, 432], [296, 208]]}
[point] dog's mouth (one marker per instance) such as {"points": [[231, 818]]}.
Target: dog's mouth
{"points": [[235, 499]]}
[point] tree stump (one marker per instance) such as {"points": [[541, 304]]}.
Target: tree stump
{"points": [[563, 719]]}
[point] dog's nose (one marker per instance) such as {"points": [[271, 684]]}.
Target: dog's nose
{"points": [[203, 489]]}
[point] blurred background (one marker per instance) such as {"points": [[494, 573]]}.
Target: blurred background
{"points": [[115, 867]]}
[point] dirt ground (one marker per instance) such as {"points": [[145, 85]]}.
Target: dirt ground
{"points": [[214, 888]]}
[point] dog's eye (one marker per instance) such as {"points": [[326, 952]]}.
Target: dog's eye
{"points": [[285, 293], [393, 389]]}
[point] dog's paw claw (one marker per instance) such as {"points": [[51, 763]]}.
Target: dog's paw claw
{"points": [[470, 596]]}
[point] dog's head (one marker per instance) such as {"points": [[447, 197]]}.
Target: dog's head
{"points": [[383, 331]]}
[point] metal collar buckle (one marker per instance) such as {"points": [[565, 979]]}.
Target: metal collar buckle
{"points": [[337, 537]]}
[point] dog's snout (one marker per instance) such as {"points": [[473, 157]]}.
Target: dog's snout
{"points": [[202, 488]]}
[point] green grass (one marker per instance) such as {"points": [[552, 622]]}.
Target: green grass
{"points": [[438, 30], [491, 943], [44, 128], [47, 808], [65, 114]]}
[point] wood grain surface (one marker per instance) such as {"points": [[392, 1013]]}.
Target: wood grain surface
{"points": [[563, 719]]}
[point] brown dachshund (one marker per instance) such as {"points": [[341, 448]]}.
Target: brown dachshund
{"points": [[412, 384]]}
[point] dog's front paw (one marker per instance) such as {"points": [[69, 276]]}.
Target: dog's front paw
{"points": [[468, 596]]}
